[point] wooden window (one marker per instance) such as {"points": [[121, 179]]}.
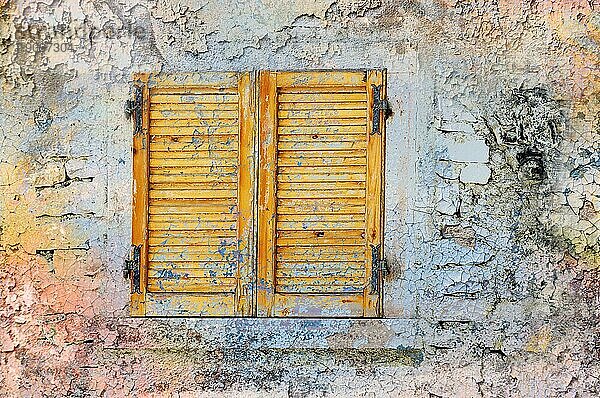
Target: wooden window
{"points": [[319, 194]]}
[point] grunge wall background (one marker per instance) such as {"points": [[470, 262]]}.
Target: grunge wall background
{"points": [[492, 200]]}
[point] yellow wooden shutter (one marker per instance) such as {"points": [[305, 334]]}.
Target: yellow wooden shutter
{"points": [[193, 194], [320, 190]]}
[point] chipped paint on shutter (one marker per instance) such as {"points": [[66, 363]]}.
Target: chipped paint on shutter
{"points": [[320, 195], [199, 172]]}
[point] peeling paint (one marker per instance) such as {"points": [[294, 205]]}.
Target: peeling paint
{"points": [[494, 282]]}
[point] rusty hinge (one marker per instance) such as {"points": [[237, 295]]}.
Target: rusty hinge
{"points": [[378, 268], [131, 268], [379, 105], [133, 108]]}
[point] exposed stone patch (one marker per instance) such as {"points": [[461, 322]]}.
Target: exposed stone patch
{"points": [[475, 174]]}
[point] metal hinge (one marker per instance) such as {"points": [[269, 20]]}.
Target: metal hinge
{"points": [[379, 105], [131, 268], [379, 268], [133, 108]]}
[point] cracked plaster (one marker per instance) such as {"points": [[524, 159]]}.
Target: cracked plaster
{"points": [[494, 287]]}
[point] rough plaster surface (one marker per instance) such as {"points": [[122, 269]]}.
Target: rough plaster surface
{"points": [[492, 200]]}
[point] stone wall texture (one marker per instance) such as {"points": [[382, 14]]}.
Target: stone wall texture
{"points": [[492, 200]]}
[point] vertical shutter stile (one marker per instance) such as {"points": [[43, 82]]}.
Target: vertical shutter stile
{"points": [[139, 231], [246, 195], [374, 250], [267, 192]]}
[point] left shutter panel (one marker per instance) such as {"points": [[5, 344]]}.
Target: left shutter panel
{"points": [[200, 213]]}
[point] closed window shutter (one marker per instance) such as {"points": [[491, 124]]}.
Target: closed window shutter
{"points": [[320, 189], [193, 195]]}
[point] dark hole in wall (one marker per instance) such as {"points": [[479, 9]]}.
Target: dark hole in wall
{"points": [[47, 254], [531, 163], [43, 118]]}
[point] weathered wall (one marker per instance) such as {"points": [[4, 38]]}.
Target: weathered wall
{"points": [[492, 199]]}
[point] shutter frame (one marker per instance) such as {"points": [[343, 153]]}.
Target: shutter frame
{"points": [[282, 301], [193, 99]]}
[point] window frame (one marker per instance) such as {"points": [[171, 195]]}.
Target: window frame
{"points": [[258, 114]]}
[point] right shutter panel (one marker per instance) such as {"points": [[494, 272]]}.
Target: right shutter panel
{"points": [[314, 240]]}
